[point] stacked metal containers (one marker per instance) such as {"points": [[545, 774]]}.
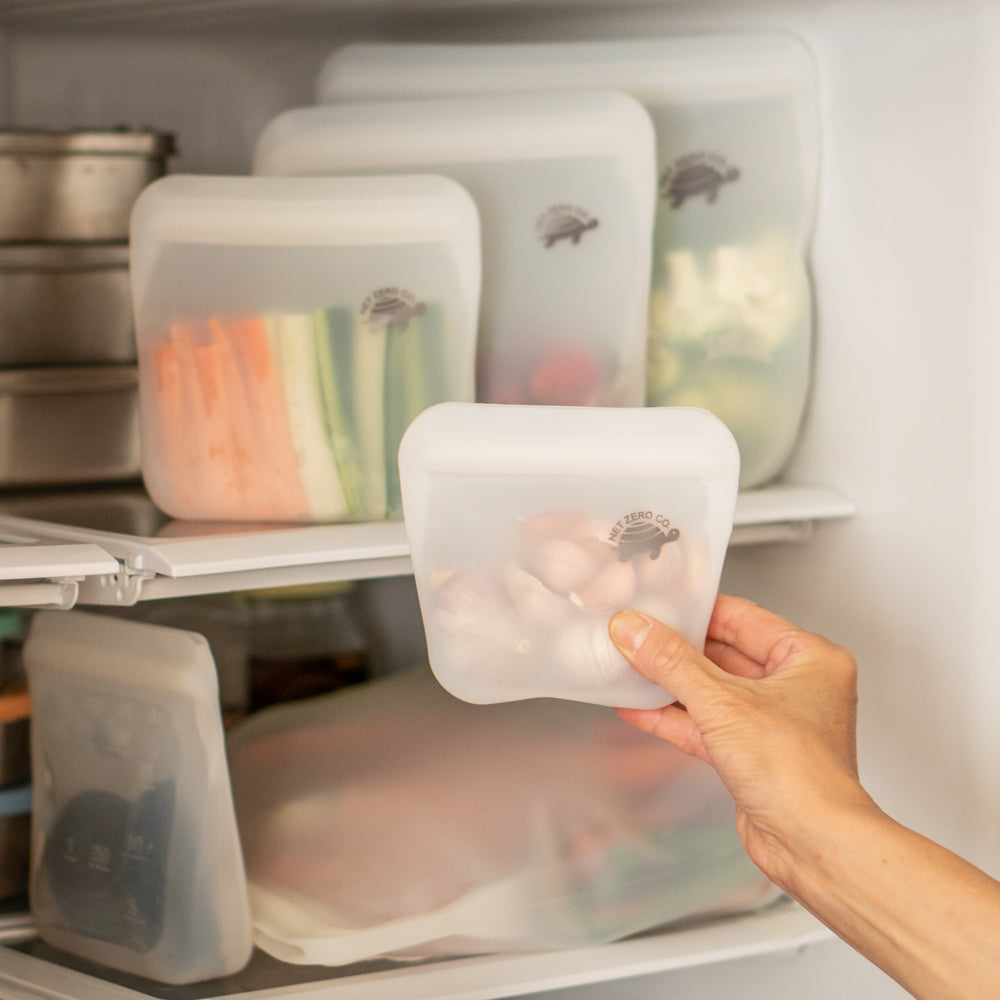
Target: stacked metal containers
{"points": [[67, 347]]}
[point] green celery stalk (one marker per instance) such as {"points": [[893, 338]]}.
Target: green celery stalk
{"points": [[369, 373], [294, 340], [415, 378], [397, 390], [334, 333], [434, 357]]}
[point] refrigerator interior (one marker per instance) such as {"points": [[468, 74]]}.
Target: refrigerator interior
{"points": [[903, 420]]}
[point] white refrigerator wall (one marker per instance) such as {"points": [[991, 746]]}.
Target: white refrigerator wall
{"points": [[904, 417]]}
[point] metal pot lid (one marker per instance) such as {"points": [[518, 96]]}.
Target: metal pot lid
{"points": [[34, 257], [73, 142]]}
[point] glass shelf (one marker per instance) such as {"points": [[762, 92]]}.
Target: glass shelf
{"points": [[113, 547], [28, 967]]}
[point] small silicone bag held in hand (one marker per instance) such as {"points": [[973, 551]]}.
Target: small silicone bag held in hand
{"points": [[565, 185], [530, 526], [737, 136], [391, 820], [135, 860], [335, 310]]}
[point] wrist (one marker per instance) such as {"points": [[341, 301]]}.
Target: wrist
{"points": [[921, 913], [809, 854]]}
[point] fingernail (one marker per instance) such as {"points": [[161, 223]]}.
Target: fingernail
{"points": [[628, 630]]}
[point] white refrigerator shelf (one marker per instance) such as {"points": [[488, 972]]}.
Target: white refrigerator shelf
{"points": [[115, 548], [28, 971]]}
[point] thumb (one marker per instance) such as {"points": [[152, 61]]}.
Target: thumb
{"points": [[661, 654]]}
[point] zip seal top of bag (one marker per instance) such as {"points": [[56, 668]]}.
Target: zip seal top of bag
{"points": [[529, 527], [714, 63]]}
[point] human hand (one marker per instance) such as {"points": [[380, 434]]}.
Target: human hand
{"points": [[770, 706]]}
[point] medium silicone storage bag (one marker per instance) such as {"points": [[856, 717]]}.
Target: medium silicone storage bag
{"points": [[737, 132], [135, 859], [530, 526], [289, 330], [565, 187]]}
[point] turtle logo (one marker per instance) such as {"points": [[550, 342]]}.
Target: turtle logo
{"points": [[694, 175], [642, 532], [563, 222], [391, 306]]}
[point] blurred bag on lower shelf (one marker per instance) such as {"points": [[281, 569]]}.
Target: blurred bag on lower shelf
{"points": [[393, 820]]}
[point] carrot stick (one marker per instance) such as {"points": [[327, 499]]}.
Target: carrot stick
{"points": [[173, 478], [210, 500], [249, 462], [219, 436], [249, 340]]}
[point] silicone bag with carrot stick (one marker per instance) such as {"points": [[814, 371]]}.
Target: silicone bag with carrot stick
{"points": [[289, 329]]}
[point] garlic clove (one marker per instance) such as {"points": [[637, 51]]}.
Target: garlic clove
{"points": [[468, 602], [588, 655], [535, 602], [612, 588], [563, 565], [663, 609], [568, 524], [666, 571]]}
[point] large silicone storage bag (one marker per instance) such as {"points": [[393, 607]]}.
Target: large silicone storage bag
{"points": [[565, 187], [530, 526], [737, 132], [476, 829], [288, 331]]}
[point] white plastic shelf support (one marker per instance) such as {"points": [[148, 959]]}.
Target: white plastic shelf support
{"points": [[47, 575], [785, 513]]}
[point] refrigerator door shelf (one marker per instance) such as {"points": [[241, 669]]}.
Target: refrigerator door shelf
{"points": [[67, 554], [28, 970]]}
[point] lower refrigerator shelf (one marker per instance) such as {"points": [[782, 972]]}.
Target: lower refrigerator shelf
{"points": [[29, 970]]}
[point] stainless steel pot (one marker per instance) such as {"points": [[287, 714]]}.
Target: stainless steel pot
{"points": [[68, 425], [75, 185], [65, 304]]}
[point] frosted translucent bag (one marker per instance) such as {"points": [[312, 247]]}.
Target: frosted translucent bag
{"points": [[565, 185], [135, 858], [530, 526], [288, 331], [737, 133], [392, 820]]}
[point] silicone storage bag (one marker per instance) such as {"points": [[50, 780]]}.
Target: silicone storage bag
{"points": [[135, 857], [737, 132], [289, 330], [392, 820], [566, 189], [530, 526]]}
